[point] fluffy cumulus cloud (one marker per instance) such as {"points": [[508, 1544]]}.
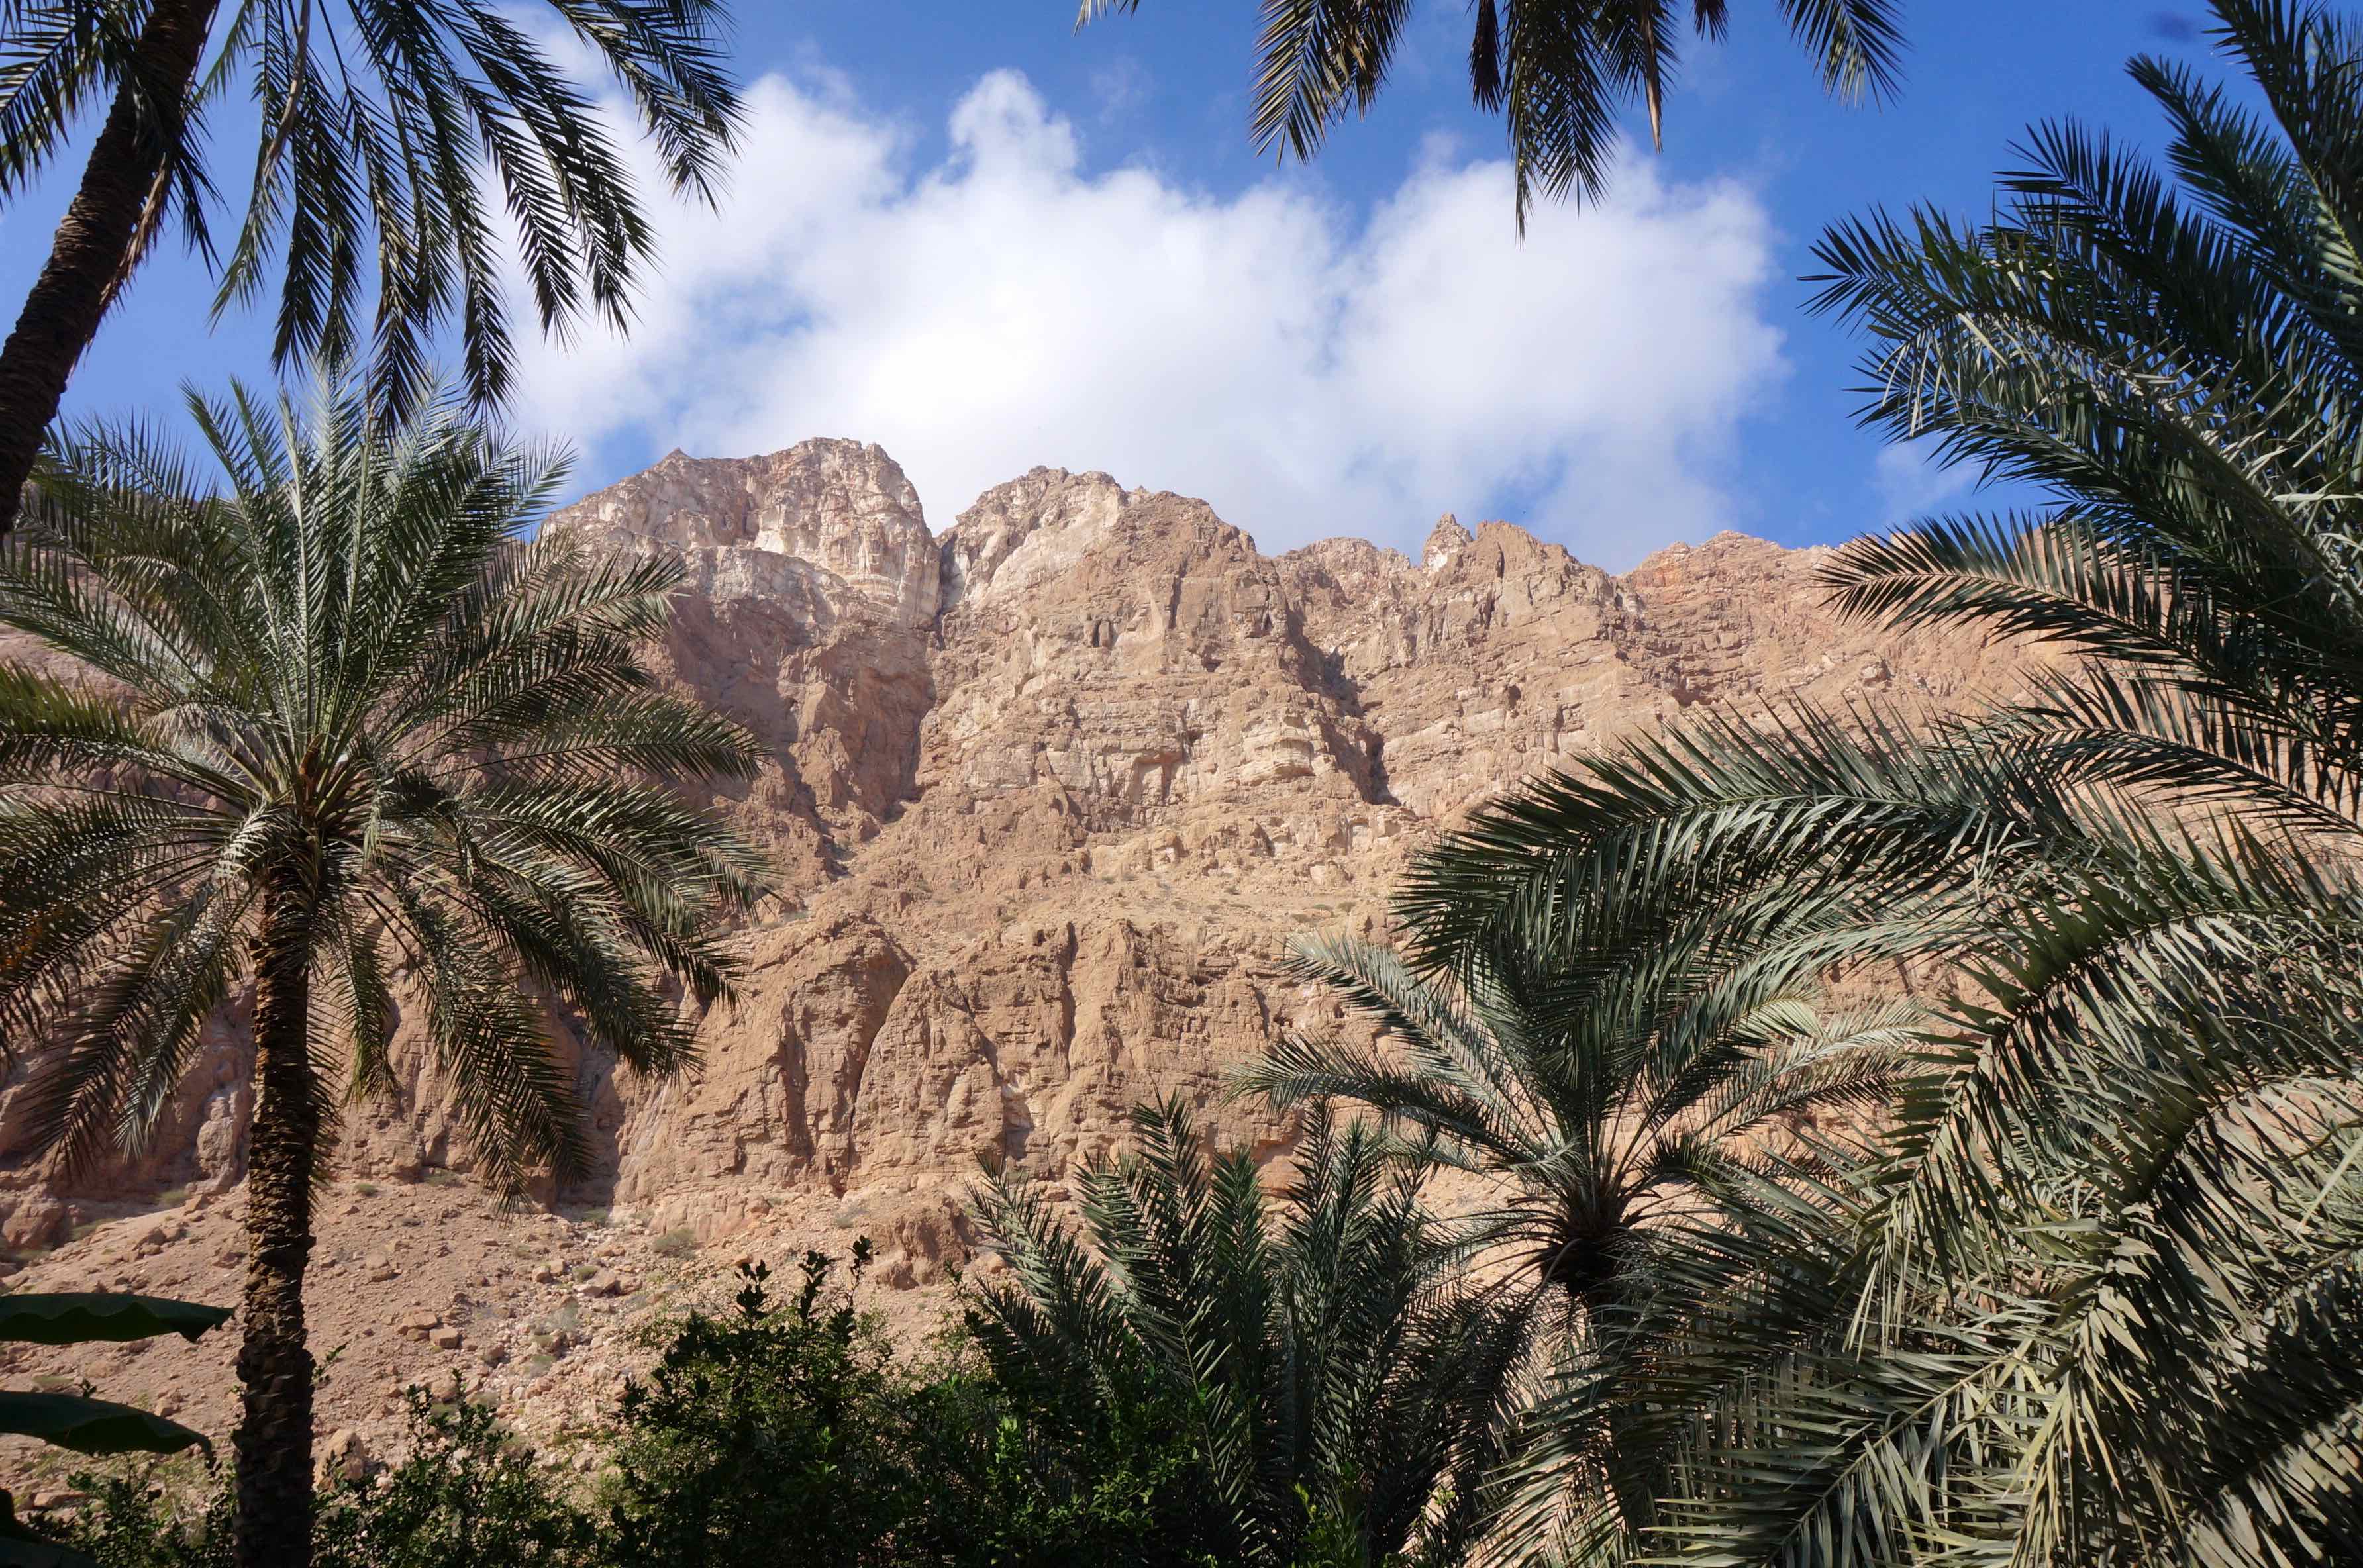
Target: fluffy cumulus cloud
{"points": [[1308, 370]]}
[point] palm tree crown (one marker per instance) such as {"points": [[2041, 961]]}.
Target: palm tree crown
{"points": [[338, 730], [384, 129], [1615, 1115], [1336, 1386], [2103, 1309], [1555, 70]]}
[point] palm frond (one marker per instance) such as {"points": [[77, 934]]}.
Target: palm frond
{"points": [[333, 665]]}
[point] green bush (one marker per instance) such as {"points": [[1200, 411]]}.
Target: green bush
{"points": [[134, 1519], [787, 1434], [764, 1436], [790, 1436], [468, 1494]]}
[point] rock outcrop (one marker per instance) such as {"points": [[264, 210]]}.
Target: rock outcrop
{"points": [[1048, 794]]}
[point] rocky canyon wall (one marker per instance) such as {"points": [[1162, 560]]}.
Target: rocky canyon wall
{"points": [[1048, 792]]}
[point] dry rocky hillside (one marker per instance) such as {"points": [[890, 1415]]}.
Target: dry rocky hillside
{"points": [[1048, 792]]}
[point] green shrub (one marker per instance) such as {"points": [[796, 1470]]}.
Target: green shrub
{"points": [[790, 1436], [675, 1243], [763, 1436], [137, 1519], [468, 1494]]}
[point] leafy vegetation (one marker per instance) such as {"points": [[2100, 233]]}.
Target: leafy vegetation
{"points": [[773, 1432], [137, 1520], [466, 1493], [1556, 71], [764, 1425], [1337, 1382]]}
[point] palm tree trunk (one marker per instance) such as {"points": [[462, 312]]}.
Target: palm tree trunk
{"points": [[95, 242], [275, 1365], [1602, 1299]]}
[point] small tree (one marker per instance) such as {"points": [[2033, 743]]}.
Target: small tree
{"points": [[767, 1435]]}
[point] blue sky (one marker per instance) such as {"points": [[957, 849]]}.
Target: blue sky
{"points": [[987, 241]]}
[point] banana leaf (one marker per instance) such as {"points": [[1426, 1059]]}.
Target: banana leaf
{"points": [[23, 1548], [72, 1318], [93, 1426], [27, 1551]]}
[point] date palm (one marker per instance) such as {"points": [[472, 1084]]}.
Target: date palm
{"points": [[382, 125], [1613, 1116], [333, 730], [2105, 1307], [1556, 71], [1335, 1383]]}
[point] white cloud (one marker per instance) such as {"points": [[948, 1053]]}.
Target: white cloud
{"points": [[1911, 484], [1120, 87], [1307, 370]]}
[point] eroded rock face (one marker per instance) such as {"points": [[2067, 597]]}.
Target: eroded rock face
{"points": [[1048, 794], [828, 523], [813, 591], [1133, 650]]}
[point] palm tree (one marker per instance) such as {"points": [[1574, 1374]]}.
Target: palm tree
{"points": [[1556, 69], [2105, 1306], [339, 733], [1618, 1114], [1338, 1387], [384, 121]]}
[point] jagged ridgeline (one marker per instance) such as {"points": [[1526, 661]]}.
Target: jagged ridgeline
{"points": [[1047, 791]]}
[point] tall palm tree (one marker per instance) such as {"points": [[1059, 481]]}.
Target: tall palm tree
{"points": [[2105, 1307], [339, 733], [380, 123], [1339, 1389], [1556, 71], [1617, 1115]]}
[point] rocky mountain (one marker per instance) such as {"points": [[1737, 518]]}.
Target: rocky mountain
{"points": [[1048, 794]]}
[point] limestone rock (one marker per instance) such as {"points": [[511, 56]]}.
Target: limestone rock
{"points": [[343, 1456], [1046, 794], [37, 1221]]}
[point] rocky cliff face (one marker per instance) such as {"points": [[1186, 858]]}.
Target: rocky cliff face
{"points": [[1048, 794]]}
